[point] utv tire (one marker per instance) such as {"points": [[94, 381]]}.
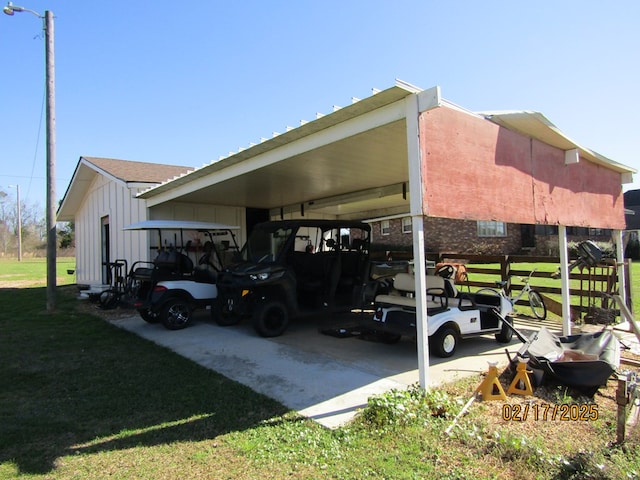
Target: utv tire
{"points": [[271, 319], [149, 316], [444, 342], [505, 335], [176, 314], [223, 317]]}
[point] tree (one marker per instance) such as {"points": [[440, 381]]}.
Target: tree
{"points": [[67, 235], [33, 225]]}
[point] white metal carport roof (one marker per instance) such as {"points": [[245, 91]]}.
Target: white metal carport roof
{"points": [[346, 163], [351, 163]]}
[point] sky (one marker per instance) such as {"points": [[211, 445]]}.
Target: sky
{"points": [[185, 83]]}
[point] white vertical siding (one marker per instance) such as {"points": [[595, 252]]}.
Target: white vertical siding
{"points": [[115, 200]]}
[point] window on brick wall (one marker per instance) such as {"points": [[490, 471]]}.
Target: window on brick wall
{"points": [[492, 229], [385, 227], [406, 225]]}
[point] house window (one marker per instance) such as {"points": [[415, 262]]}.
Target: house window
{"points": [[492, 229], [406, 225], [385, 227], [599, 232], [547, 230]]}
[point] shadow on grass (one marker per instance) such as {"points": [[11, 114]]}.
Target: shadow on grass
{"points": [[71, 383]]}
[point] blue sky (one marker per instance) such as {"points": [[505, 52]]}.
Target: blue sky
{"points": [[186, 82]]}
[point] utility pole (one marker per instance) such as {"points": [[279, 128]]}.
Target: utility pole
{"points": [[10, 10]]}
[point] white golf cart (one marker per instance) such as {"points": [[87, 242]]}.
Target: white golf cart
{"points": [[451, 315], [183, 275]]}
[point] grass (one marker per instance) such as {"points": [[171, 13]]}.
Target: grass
{"points": [[32, 271], [80, 398], [540, 281]]}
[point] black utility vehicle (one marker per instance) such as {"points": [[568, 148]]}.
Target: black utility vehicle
{"points": [[292, 268]]}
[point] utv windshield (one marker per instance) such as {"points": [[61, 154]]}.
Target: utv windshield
{"points": [[265, 244]]}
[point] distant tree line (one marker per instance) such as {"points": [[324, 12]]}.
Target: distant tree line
{"points": [[34, 228]]}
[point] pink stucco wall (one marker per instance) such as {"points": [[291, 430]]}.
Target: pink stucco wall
{"points": [[487, 172]]}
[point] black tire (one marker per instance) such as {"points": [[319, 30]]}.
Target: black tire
{"points": [[444, 341], [538, 307], [176, 313], [271, 319], [505, 335], [223, 317], [149, 316], [108, 299]]}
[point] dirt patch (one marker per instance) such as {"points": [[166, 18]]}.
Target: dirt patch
{"points": [[20, 283]]}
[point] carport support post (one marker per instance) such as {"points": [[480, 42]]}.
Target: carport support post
{"points": [[622, 279], [419, 257], [564, 280]]}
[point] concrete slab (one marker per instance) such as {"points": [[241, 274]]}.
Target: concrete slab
{"points": [[325, 378]]}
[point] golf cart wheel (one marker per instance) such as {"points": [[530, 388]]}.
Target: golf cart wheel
{"points": [[444, 341], [271, 319], [176, 314], [538, 307], [223, 316], [505, 335], [148, 316]]}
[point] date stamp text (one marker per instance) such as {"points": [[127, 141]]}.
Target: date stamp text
{"points": [[565, 412]]}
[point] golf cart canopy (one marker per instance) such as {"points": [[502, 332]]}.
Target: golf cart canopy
{"points": [[178, 225]]}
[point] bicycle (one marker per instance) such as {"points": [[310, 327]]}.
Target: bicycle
{"points": [[536, 302]]}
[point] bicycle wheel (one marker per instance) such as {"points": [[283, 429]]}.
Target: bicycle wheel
{"points": [[538, 307]]}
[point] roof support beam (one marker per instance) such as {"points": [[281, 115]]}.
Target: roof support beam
{"points": [[415, 204], [564, 280]]}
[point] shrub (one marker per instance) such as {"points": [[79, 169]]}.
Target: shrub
{"points": [[401, 407]]}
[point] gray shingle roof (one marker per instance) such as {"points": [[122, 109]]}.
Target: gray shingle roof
{"points": [[129, 171]]}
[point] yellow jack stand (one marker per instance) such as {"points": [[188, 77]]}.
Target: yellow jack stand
{"points": [[522, 375], [490, 388]]}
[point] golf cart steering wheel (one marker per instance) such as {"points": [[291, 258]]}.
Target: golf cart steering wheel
{"points": [[206, 260], [446, 271]]}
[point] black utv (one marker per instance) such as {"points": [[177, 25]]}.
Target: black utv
{"points": [[292, 268]]}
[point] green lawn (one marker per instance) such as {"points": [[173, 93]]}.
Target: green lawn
{"points": [[542, 281], [82, 399], [32, 271]]}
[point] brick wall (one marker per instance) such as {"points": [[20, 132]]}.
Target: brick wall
{"points": [[461, 236], [446, 235]]}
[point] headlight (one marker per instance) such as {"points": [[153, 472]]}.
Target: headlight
{"points": [[259, 276]]}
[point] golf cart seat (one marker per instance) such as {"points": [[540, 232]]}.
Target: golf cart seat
{"points": [[173, 263], [439, 290]]}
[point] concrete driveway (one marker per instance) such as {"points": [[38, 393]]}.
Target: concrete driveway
{"points": [[325, 378]]}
